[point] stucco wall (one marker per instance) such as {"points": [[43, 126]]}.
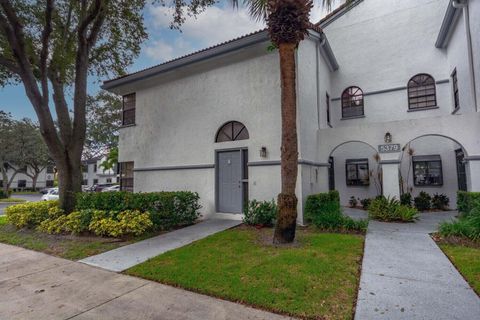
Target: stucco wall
{"points": [[380, 47], [177, 119]]}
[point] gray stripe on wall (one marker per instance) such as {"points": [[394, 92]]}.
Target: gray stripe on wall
{"points": [[390, 162], [186, 167], [371, 93], [264, 163], [472, 158], [313, 163]]}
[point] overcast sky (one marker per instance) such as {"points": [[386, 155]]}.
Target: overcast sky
{"points": [[217, 24]]}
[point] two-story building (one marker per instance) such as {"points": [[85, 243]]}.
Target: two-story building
{"points": [[95, 174], [388, 102]]}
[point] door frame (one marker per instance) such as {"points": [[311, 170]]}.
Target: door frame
{"points": [[217, 152]]}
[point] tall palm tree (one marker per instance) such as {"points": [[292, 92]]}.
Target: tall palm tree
{"points": [[287, 22]]}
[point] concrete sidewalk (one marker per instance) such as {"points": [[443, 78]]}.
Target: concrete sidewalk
{"points": [[128, 256], [37, 286], [406, 276]]}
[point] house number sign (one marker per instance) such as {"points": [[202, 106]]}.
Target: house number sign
{"points": [[388, 148]]}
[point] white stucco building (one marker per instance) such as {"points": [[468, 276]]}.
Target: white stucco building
{"points": [[95, 174], [20, 181], [387, 93]]}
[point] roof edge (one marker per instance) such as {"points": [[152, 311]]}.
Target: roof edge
{"points": [[451, 16], [337, 13], [204, 54]]}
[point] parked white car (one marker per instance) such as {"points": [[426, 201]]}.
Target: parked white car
{"points": [[52, 194], [111, 189]]}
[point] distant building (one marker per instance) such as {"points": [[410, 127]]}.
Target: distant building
{"points": [[22, 182], [93, 173]]}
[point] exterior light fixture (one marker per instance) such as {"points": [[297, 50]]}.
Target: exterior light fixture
{"points": [[388, 137], [263, 152]]}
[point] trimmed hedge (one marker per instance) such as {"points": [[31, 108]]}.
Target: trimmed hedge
{"points": [[260, 213], [31, 214], [324, 211], [167, 209], [4, 195], [466, 201]]}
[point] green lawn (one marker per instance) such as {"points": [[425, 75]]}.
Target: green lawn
{"points": [[12, 200], [65, 246], [316, 278], [467, 261]]}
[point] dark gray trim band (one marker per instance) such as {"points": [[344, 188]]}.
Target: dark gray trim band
{"points": [[423, 109], [390, 162], [371, 93], [472, 158], [186, 167], [313, 163], [264, 163]]}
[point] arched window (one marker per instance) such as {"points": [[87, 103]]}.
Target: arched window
{"points": [[352, 102], [421, 92], [232, 131]]}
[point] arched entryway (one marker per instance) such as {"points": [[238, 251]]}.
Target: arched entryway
{"points": [[434, 164], [355, 171]]}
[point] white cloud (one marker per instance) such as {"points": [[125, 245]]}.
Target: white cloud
{"points": [[213, 26]]}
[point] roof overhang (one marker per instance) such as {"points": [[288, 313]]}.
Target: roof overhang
{"points": [[448, 24], [217, 51]]}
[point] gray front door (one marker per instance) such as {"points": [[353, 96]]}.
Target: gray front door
{"points": [[230, 182]]}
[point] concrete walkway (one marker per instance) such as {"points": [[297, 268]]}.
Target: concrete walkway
{"points": [[128, 256], [37, 286], [406, 276]]}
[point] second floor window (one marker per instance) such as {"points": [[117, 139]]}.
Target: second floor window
{"points": [[352, 102], [421, 92], [128, 113]]}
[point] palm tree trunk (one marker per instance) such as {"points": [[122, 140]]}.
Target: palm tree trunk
{"points": [[287, 200]]}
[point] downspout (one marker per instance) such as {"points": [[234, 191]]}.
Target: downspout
{"points": [[466, 14]]}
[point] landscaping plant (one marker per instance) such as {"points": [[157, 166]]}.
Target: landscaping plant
{"points": [[390, 209], [353, 202], [466, 201], [440, 201], [365, 203], [406, 199], [29, 214], [260, 213], [323, 210], [467, 226], [423, 201]]}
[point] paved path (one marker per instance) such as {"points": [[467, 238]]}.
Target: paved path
{"points": [[406, 276], [37, 286], [125, 257]]}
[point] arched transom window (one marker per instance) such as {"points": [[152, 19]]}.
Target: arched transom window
{"points": [[232, 131], [352, 102], [421, 92]]}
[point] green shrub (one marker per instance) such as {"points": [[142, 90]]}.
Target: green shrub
{"points": [[390, 209], [466, 201], [260, 213], [406, 199], [440, 201], [467, 226], [129, 222], [323, 210], [167, 209], [365, 203], [423, 201], [30, 214]]}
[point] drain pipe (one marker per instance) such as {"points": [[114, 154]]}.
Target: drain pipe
{"points": [[457, 4]]}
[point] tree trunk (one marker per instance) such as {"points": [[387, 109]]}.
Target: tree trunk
{"points": [[69, 181], [287, 200], [34, 182], [5, 182]]}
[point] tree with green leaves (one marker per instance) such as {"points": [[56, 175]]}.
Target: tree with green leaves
{"points": [[288, 22], [6, 146], [104, 118], [30, 154], [51, 46]]}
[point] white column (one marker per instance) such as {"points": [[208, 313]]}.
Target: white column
{"points": [[474, 173], [391, 183]]}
